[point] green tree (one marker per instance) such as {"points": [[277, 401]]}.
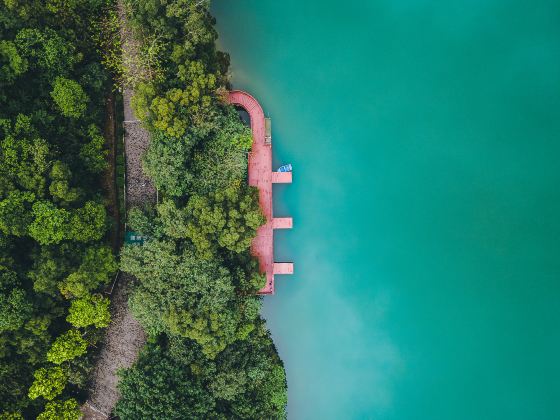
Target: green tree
{"points": [[89, 310], [48, 383], [98, 264], [88, 223], [93, 153], [78, 370], [181, 294], [167, 161], [178, 108], [14, 383], [260, 390], [46, 51], [222, 159], [59, 188], [50, 224], [15, 214], [15, 309], [157, 388], [12, 64], [69, 96], [145, 221], [50, 264], [61, 410], [227, 218], [24, 162], [34, 338], [67, 347], [11, 416]]}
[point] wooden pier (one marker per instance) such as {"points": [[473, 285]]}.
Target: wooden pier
{"points": [[262, 177]]}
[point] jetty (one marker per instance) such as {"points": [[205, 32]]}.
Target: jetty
{"points": [[262, 176]]}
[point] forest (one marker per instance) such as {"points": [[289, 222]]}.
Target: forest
{"points": [[209, 353], [55, 257]]}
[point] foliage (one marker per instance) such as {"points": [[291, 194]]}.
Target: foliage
{"points": [[223, 157], [52, 220], [49, 224], [97, 264], [13, 389], [46, 51], [24, 161], [181, 294], [157, 388], [11, 416], [67, 347], [226, 218], [173, 380], [94, 153], [15, 216], [48, 383], [88, 223], [89, 310], [60, 188], [69, 96], [13, 64], [15, 309], [172, 112], [63, 410], [79, 369], [143, 220], [166, 161]]}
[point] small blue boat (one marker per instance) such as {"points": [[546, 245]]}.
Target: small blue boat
{"points": [[285, 168]]}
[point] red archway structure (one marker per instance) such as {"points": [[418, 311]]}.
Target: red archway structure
{"points": [[262, 177]]}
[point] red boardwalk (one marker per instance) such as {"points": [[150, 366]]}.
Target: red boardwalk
{"points": [[262, 177]]}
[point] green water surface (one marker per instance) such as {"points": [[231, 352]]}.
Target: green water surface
{"points": [[425, 139]]}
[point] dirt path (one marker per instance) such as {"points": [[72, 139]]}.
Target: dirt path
{"points": [[125, 337]]}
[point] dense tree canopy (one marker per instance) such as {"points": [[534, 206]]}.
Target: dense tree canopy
{"points": [[53, 221], [174, 380], [226, 218], [183, 295]]}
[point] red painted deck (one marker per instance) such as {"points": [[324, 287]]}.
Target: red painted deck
{"points": [[281, 177], [283, 268], [282, 223], [262, 177]]}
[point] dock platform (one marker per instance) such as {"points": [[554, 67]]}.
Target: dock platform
{"points": [[262, 177]]}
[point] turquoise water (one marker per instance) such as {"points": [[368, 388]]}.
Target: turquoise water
{"points": [[425, 139]]}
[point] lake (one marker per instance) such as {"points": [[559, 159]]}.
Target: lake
{"points": [[425, 141]]}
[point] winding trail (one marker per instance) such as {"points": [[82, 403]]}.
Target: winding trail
{"points": [[262, 177], [124, 337]]}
